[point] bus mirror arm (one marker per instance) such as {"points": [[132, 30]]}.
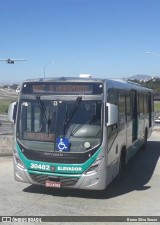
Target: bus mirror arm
{"points": [[111, 114], [12, 111]]}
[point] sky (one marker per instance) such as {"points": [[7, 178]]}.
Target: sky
{"points": [[104, 38]]}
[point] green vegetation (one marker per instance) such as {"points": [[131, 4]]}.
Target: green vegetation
{"points": [[4, 103], [153, 84]]}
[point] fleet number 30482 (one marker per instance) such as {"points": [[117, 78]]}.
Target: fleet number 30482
{"points": [[39, 166]]}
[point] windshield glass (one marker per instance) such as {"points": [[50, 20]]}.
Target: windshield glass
{"points": [[61, 125]]}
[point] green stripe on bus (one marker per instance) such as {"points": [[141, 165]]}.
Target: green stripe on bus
{"points": [[56, 168]]}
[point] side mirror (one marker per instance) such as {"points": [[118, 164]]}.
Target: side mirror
{"points": [[12, 110], [111, 114]]}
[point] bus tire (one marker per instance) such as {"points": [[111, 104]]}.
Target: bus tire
{"points": [[122, 160]]}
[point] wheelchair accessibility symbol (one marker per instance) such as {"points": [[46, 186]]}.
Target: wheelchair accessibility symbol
{"points": [[62, 144]]}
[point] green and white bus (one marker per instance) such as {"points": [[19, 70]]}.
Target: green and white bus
{"points": [[78, 132]]}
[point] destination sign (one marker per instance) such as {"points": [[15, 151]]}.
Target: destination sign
{"points": [[62, 88], [38, 136]]}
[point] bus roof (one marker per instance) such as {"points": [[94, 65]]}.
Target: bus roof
{"points": [[112, 83]]}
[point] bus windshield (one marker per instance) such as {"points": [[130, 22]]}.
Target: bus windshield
{"points": [[42, 122]]}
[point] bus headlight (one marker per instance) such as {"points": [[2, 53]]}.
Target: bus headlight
{"points": [[94, 167], [18, 161]]}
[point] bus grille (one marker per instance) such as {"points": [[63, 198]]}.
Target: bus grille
{"points": [[65, 181]]}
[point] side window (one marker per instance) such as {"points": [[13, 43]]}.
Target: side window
{"points": [[121, 108], [128, 107], [36, 115], [141, 105], [146, 103], [112, 96], [112, 133], [31, 117], [23, 124]]}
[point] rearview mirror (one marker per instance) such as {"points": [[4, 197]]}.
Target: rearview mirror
{"points": [[111, 114], [12, 109]]}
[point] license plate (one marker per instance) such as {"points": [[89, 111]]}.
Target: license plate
{"points": [[53, 184]]}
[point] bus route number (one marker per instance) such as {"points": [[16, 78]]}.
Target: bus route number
{"points": [[40, 166]]}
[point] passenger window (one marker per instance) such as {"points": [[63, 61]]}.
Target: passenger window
{"points": [[112, 96], [128, 107], [112, 134], [146, 104], [141, 106], [121, 108]]}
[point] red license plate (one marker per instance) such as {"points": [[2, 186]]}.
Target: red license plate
{"points": [[53, 184]]}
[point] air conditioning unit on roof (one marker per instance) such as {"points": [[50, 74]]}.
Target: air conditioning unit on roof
{"points": [[85, 75]]}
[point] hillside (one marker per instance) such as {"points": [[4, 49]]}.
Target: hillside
{"points": [[153, 83], [140, 77]]}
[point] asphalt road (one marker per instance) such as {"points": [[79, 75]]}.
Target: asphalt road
{"points": [[135, 192]]}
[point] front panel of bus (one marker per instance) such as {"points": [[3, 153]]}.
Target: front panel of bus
{"points": [[59, 133]]}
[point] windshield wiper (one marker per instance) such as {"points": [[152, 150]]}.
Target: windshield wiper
{"points": [[42, 108], [71, 112]]}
